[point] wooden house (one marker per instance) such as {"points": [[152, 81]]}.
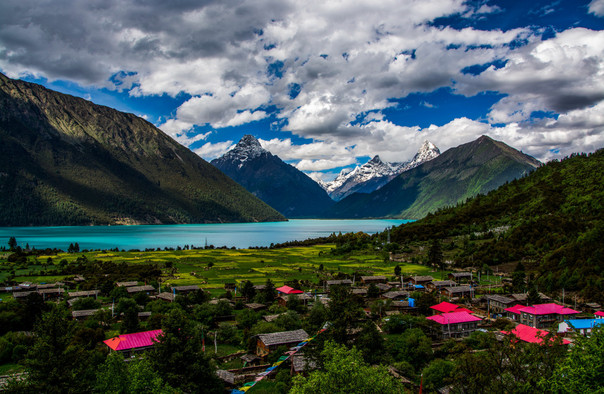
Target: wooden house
{"points": [[497, 303], [129, 344], [455, 324], [267, 343], [457, 291], [127, 284], [437, 285], [185, 289], [460, 277], [150, 290], [373, 279], [419, 280]]}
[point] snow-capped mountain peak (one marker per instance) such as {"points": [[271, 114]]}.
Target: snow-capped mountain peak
{"points": [[247, 148], [375, 173]]}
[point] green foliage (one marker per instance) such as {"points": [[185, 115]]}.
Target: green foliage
{"points": [[54, 364], [345, 371], [85, 303], [437, 374], [412, 346], [583, 370], [178, 356], [118, 377]]}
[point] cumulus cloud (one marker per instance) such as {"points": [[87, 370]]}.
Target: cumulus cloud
{"points": [[329, 68], [596, 7], [211, 151]]}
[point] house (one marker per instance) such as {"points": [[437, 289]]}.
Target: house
{"points": [[460, 277], [165, 296], [457, 291], [150, 290], [398, 295], [497, 303], [447, 307], [128, 344], [437, 285], [419, 280], [581, 326], [288, 290], [127, 284], [338, 282], [383, 287], [185, 289], [599, 315], [513, 312], [521, 298], [84, 293], [544, 315], [301, 364], [303, 298], [530, 334], [267, 343], [373, 279], [455, 324], [359, 292], [51, 293], [255, 307], [78, 315]]}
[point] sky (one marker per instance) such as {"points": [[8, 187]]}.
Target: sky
{"points": [[326, 85]]}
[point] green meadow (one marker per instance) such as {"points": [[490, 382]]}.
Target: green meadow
{"points": [[212, 268]]}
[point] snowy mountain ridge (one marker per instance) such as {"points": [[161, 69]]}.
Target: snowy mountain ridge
{"points": [[375, 173]]}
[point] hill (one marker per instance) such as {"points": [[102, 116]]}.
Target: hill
{"points": [[275, 182], [454, 176], [552, 221], [67, 161]]}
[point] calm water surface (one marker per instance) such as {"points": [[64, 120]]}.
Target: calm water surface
{"points": [[239, 235]]}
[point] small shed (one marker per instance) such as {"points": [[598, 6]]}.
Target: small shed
{"points": [[460, 277], [373, 279], [457, 291], [150, 290], [127, 284], [267, 343]]}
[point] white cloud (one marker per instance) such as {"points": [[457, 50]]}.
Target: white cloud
{"points": [[237, 59], [596, 7], [211, 151]]}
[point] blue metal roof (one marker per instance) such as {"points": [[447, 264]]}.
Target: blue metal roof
{"points": [[581, 324]]}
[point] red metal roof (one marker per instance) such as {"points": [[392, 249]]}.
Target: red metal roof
{"points": [[599, 313], [288, 290], [515, 309], [133, 341], [530, 334], [454, 318], [446, 307], [548, 309]]}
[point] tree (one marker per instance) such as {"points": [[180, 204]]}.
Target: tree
{"points": [[178, 356], [437, 374], [583, 370], [248, 291], [117, 377], [373, 291], [343, 313], [12, 243], [397, 270], [269, 292], [345, 371], [54, 364], [435, 254], [533, 296]]}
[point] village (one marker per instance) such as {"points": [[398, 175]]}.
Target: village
{"points": [[253, 331]]}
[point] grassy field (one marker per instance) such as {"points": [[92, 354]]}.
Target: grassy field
{"points": [[213, 268]]}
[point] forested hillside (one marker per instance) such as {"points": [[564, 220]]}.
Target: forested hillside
{"points": [[67, 161], [552, 221]]}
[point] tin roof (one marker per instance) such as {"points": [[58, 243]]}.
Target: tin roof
{"points": [[530, 334], [453, 318], [133, 341], [548, 309]]}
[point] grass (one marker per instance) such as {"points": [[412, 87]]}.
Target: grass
{"points": [[213, 268], [7, 369]]}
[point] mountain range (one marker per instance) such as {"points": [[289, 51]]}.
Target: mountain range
{"points": [[375, 173], [280, 185], [67, 161], [457, 174]]}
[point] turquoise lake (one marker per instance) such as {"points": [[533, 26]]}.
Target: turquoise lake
{"points": [[239, 235]]}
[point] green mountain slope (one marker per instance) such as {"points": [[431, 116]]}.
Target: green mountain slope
{"points": [[457, 174], [66, 161], [552, 221]]}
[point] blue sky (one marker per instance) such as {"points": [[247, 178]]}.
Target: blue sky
{"points": [[326, 85]]}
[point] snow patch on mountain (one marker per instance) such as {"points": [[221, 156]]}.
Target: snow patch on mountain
{"points": [[375, 173], [246, 149]]}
